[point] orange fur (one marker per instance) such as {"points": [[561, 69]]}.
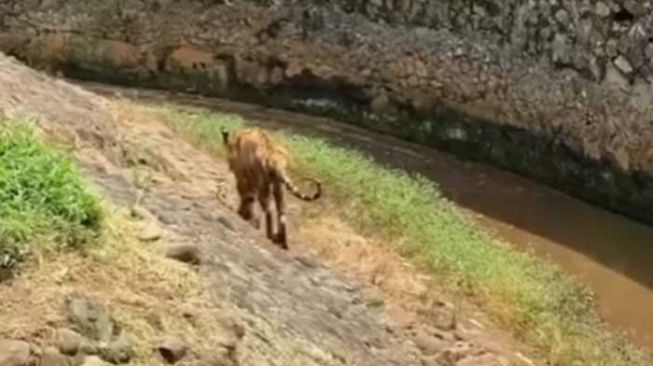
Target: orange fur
{"points": [[259, 165]]}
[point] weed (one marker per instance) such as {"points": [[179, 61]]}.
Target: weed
{"points": [[43, 198]]}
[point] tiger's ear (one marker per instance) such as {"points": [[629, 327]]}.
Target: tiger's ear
{"points": [[225, 136]]}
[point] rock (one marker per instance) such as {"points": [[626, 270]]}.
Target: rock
{"points": [[94, 361], [14, 353], [188, 310], [429, 345], [601, 9], [141, 213], [226, 223], [380, 103], [595, 69], [88, 348], [89, 318], [186, 253], [172, 350], [642, 94], [612, 48], [455, 353], [614, 77], [68, 341], [562, 16], [561, 49], [52, 357], [150, 232], [401, 317], [118, 352], [636, 8], [623, 65], [373, 297], [191, 313]]}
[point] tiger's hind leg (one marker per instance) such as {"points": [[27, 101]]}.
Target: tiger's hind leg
{"points": [[281, 236], [247, 199], [246, 211], [264, 201]]}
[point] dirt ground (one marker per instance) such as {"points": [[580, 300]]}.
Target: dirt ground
{"points": [[336, 298]]}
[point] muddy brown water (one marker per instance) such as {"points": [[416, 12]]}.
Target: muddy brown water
{"points": [[610, 253]]}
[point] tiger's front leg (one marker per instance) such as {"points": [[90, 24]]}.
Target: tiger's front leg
{"points": [[264, 201], [281, 237], [246, 211]]}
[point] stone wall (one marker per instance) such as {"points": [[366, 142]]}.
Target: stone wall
{"points": [[604, 40], [465, 89]]}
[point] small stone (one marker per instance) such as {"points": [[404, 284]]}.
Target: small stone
{"points": [[612, 47], [373, 297], [595, 69], [649, 52], [94, 361], [561, 49], [89, 318], [150, 232], [118, 352], [614, 77], [601, 9], [52, 357], [172, 350], [636, 8], [413, 81], [623, 65], [562, 16], [88, 348], [68, 341], [141, 213], [429, 345], [14, 353], [455, 353], [186, 253], [226, 223], [401, 317], [380, 103], [189, 312]]}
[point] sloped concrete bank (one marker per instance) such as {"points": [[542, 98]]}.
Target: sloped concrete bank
{"points": [[462, 91]]}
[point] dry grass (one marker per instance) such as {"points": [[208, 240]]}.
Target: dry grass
{"points": [[147, 294], [411, 294]]}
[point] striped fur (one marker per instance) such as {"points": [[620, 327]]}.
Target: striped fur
{"points": [[259, 166]]}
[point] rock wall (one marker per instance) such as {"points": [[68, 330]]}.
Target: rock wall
{"points": [[437, 77], [604, 40]]}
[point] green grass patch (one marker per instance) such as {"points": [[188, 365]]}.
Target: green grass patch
{"points": [[540, 304], [44, 202]]}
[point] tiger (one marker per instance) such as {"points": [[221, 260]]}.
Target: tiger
{"points": [[259, 165]]}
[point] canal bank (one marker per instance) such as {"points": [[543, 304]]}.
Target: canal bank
{"points": [[444, 89], [607, 252]]}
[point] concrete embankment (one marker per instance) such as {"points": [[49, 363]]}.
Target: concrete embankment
{"points": [[531, 98]]}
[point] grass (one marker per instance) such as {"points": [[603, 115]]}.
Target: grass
{"points": [[540, 304], [44, 201], [142, 289], [46, 204]]}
